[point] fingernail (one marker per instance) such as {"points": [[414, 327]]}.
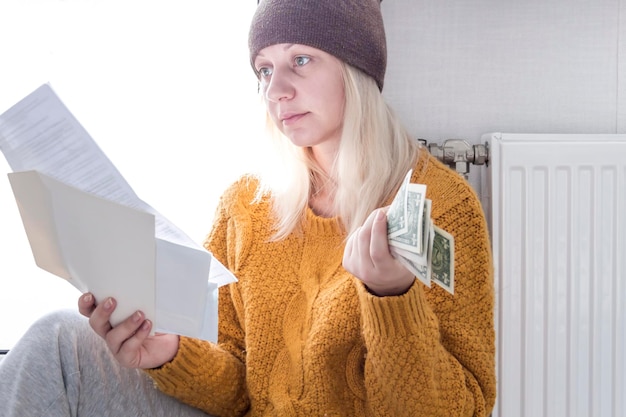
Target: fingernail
{"points": [[108, 304], [88, 298], [137, 317], [146, 325]]}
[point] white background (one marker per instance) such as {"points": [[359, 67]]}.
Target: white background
{"points": [[463, 68], [166, 90], [459, 68]]}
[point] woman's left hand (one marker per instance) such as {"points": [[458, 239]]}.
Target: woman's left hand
{"points": [[367, 257]]}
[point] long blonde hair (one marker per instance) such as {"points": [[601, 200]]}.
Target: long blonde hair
{"points": [[374, 155]]}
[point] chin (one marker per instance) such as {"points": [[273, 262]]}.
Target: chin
{"points": [[302, 142]]}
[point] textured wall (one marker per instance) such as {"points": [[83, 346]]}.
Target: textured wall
{"points": [[460, 68]]}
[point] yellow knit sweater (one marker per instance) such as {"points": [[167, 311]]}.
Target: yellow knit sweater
{"points": [[300, 336]]}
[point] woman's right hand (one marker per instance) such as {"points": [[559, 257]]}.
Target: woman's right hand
{"points": [[129, 341]]}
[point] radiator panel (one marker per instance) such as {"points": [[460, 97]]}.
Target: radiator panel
{"points": [[558, 234]]}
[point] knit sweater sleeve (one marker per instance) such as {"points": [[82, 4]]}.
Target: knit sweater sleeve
{"points": [[198, 372], [430, 352]]}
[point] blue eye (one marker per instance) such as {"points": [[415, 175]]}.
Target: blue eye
{"points": [[264, 72], [301, 60]]}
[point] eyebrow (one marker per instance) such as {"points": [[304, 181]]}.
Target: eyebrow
{"points": [[287, 46]]}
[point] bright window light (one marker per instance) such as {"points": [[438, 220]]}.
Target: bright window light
{"points": [[166, 90]]}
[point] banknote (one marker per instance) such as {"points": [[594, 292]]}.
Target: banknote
{"points": [[442, 259], [397, 215], [423, 248], [426, 226], [421, 271], [412, 239]]}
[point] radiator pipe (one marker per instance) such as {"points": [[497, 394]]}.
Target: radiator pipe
{"points": [[458, 154]]}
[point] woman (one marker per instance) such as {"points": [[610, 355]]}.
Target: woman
{"points": [[323, 320]]}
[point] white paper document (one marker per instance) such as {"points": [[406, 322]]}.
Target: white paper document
{"points": [[86, 224]]}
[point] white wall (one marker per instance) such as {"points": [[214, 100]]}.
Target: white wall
{"points": [[460, 68], [147, 80], [166, 90]]}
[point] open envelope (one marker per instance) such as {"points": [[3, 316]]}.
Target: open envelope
{"points": [[110, 249], [86, 224]]}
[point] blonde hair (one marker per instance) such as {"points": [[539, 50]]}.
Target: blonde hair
{"points": [[374, 155]]}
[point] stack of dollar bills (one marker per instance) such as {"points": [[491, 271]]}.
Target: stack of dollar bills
{"points": [[415, 241]]}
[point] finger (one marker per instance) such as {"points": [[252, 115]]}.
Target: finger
{"points": [[86, 304], [124, 331], [362, 249], [379, 244], [128, 352], [99, 319], [370, 219], [348, 250], [366, 234]]}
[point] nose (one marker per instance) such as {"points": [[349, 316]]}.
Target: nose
{"points": [[280, 86]]}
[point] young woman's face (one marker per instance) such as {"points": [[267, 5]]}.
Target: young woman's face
{"points": [[303, 90]]}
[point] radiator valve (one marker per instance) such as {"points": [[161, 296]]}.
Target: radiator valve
{"points": [[458, 154]]}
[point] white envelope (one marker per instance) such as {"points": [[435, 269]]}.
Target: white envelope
{"points": [[110, 250], [86, 224]]}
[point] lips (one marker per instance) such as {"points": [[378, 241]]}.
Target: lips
{"points": [[291, 118]]}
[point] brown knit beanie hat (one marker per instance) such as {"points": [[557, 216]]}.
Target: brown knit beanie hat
{"points": [[351, 30]]}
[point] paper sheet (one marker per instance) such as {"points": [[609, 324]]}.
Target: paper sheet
{"points": [[86, 224]]}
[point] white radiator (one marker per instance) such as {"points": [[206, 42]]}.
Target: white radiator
{"points": [[558, 223]]}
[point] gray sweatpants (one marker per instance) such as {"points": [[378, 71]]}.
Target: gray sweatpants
{"points": [[60, 367]]}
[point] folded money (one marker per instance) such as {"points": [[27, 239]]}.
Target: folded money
{"points": [[423, 248]]}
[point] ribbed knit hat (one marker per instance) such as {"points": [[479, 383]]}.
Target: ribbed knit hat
{"points": [[351, 30]]}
